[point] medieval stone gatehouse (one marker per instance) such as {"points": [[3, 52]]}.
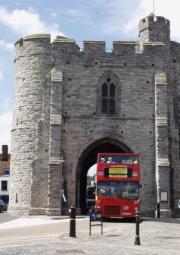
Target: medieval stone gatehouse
{"points": [[70, 104]]}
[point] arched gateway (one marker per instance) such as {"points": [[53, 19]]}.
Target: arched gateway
{"points": [[70, 104], [87, 159]]}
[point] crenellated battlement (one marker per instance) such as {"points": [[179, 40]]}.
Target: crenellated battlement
{"points": [[39, 43], [65, 44], [94, 46], [39, 37], [154, 28], [33, 45], [63, 51], [124, 47], [152, 20]]}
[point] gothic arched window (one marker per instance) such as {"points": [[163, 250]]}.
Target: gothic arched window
{"points": [[108, 100]]}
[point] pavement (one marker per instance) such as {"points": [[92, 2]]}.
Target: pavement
{"points": [[157, 237], [28, 222]]}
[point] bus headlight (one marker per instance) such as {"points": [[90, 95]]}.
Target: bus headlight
{"points": [[125, 207]]}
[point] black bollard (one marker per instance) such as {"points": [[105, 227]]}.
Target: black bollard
{"points": [[137, 238], [158, 210], [72, 215]]}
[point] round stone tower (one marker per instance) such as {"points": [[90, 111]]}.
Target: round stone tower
{"points": [[154, 29], [28, 190]]}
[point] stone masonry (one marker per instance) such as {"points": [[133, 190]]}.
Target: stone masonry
{"points": [[59, 125]]}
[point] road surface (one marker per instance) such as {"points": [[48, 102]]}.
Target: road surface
{"points": [[45, 236]]}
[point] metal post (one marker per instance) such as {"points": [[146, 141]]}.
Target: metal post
{"points": [[101, 224], [158, 210], [72, 230], [137, 238], [154, 7], [90, 223], [60, 191]]}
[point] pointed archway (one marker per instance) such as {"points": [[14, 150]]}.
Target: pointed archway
{"points": [[88, 159]]}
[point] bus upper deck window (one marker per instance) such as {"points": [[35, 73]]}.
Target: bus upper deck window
{"points": [[102, 160]]}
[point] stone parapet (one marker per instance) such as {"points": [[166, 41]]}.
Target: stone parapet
{"points": [[62, 39], [94, 46], [37, 36]]}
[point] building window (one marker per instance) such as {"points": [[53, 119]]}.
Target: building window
{"points": [[108, 93], [6, 171], [3, 185]]}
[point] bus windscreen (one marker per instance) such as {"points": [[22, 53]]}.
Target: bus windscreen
{"points": [[125, 190]]}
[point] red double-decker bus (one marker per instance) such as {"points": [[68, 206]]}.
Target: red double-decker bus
{"points": [[118, 183]]}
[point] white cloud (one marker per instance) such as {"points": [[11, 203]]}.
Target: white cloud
{"points": [[114, 15], [121, 18], [5, 128], [76, 13], [53, 14], [104, 16], [7, 46], [25, 22], [1, 75]]}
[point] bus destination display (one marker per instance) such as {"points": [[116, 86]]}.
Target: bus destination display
{"points": [[117, 172]]}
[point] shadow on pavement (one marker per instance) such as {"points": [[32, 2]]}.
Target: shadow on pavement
{"points": [[130, 220], [5, 217]]}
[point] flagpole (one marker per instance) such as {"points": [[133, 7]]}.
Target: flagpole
{"points": [[154, 7]]}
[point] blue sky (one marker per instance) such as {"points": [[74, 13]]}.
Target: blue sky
{"points": [[106, 20]]}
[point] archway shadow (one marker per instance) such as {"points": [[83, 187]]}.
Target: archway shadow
{"points": [[88, 159]]}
